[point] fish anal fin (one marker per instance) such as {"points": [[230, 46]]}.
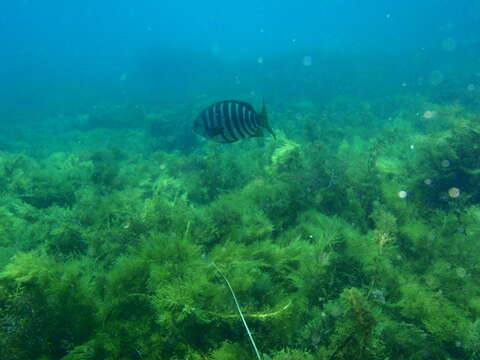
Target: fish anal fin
{"points": [[258, 132]]}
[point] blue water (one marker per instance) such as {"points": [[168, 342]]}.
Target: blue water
{"points": [[58, 56]]}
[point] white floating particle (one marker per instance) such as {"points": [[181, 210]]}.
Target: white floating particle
{"points": [[436, 78], [307, 61], [449, 44], [461, 272], [454, 192], [429, 114]]}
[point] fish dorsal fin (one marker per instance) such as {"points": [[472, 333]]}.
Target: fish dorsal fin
{"points": [[263, 118]]}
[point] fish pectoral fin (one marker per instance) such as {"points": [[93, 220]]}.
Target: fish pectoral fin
{"points": [[217, 130]]}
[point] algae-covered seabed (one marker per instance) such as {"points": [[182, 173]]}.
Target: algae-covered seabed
{"points": [[354, 235]]}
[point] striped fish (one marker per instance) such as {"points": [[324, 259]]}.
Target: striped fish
{"points": [[231, 120]]}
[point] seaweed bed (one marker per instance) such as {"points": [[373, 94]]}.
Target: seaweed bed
{"points": [[352, 236]]}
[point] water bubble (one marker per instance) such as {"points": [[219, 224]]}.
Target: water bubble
{"points": [[402, 194], [307, 60], [336, 311], [429, 114], [449, 44], [378, 296], [260, 60], [436, 78], [445, 163], [454, 192], [461, 272], [428, 181]]}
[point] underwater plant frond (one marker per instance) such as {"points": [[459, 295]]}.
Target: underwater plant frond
{"points": [[258, 315], [239, 311]]}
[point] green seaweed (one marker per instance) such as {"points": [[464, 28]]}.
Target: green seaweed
{"points": [[107, 253]]}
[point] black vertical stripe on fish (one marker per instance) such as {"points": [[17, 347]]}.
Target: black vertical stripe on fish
{"points": [[235, 120], [254, 119], [244, 111], [217, 118], [243, 123], [211, 118], [238, 120], [241, 119], [210, 114], [227, 123], [250, 119], [248, 125], [230, 117], [219, 123], [241, 110]]}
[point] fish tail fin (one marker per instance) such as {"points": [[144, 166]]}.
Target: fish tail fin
{"points": [[264, 119]]}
